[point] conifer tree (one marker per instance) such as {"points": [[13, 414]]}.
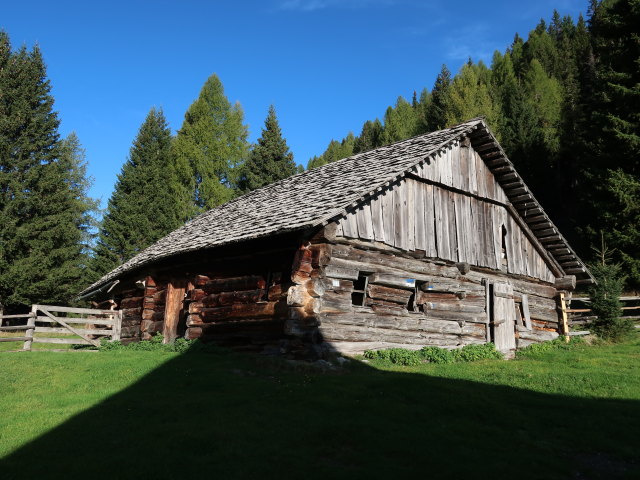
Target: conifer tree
{"points": [[469, 97], [141, 209], [400, 122], [210, 144], [370, 137], [44, 208], [335, 151], [437, 110], [270, 159]]}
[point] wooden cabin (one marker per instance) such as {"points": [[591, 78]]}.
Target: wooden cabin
{"points": [[435, 240]]}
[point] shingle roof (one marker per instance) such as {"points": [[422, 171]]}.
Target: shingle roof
{"points": [[310, 199]]}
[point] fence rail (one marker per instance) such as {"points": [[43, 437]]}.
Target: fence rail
{"points": [[583, 314], [87, 327]]}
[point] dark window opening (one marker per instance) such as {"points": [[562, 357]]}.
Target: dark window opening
{"points": [[504, 259], [359, 294]]}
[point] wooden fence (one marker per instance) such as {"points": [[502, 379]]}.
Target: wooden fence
{"points": [[579, 312], [78, 326]]}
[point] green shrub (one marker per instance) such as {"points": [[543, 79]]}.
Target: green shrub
{"points": [[437, 355], [401, 356], [536, 349], [472, 353], [155, 344], [398, 356]]}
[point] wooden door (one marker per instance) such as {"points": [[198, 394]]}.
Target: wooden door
{"points": [[503, 317]]}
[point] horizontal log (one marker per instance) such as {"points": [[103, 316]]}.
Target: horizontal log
{"points": [[216, 314], [537, 335], [441, 277], [416, 323], [393, 280], [390, 294], [14, 339], [249, 282], [368, 334], [131, 302], [131, 312], [15, 327], [340, 272], [389, 309]]}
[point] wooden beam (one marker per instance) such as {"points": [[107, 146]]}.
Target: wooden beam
{"points": [[173, 306]]}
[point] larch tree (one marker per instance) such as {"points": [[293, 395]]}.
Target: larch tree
{"points": [[208, 147], [470, 97], [400, 122], [141, 209], [45, 213], [270, 159]]}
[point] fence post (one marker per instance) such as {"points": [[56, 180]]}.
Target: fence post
{"points": [[565, 325], [117, 325], [31, 325]]}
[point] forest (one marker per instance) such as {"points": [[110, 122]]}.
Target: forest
{"points": [[564, 104]]}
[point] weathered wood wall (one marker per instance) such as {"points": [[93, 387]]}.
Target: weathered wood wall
{"points": [[452, 209], [448, 309], [239, 302]]}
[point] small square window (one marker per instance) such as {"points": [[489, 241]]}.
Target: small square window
{"points": [[359, 295]]}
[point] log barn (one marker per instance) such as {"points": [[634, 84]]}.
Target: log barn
{"points": [[435, 240]]}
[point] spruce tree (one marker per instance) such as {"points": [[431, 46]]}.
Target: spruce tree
{"points": [[141, 209], [270, 159], [335, 151], [370, 137], [210, 144], [44, 209], [437, 110]]}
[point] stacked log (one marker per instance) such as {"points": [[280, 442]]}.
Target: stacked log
{"points": [[236, 311], [154, 303], [412, 302], [131, 306]]}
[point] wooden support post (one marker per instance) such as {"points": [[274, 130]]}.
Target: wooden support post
{"points": [[487, 295], [116, 330], [31, 325], [565, 325], [172, 309]]}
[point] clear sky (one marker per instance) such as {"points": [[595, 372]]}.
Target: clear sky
{"points": [[327, 65]]}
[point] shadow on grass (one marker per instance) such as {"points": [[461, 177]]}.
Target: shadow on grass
{"points": [[233, 416]]}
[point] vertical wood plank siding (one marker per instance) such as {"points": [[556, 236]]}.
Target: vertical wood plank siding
{"points": [[443, 222]]}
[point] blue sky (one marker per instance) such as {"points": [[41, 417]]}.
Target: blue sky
{"points": [[327, 65]]}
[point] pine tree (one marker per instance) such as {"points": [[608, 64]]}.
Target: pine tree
{"points": [[270, 159], [437, 110], [44, 209], [210, 144], [140, 209]]}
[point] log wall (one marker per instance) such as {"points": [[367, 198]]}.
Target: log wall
{"points": [[409, 302], [451, 209]]}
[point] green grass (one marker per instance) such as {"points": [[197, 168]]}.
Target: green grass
{"points": [[129, 414]]}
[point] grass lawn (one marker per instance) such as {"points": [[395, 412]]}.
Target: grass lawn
{"points": [[563, 414]]}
